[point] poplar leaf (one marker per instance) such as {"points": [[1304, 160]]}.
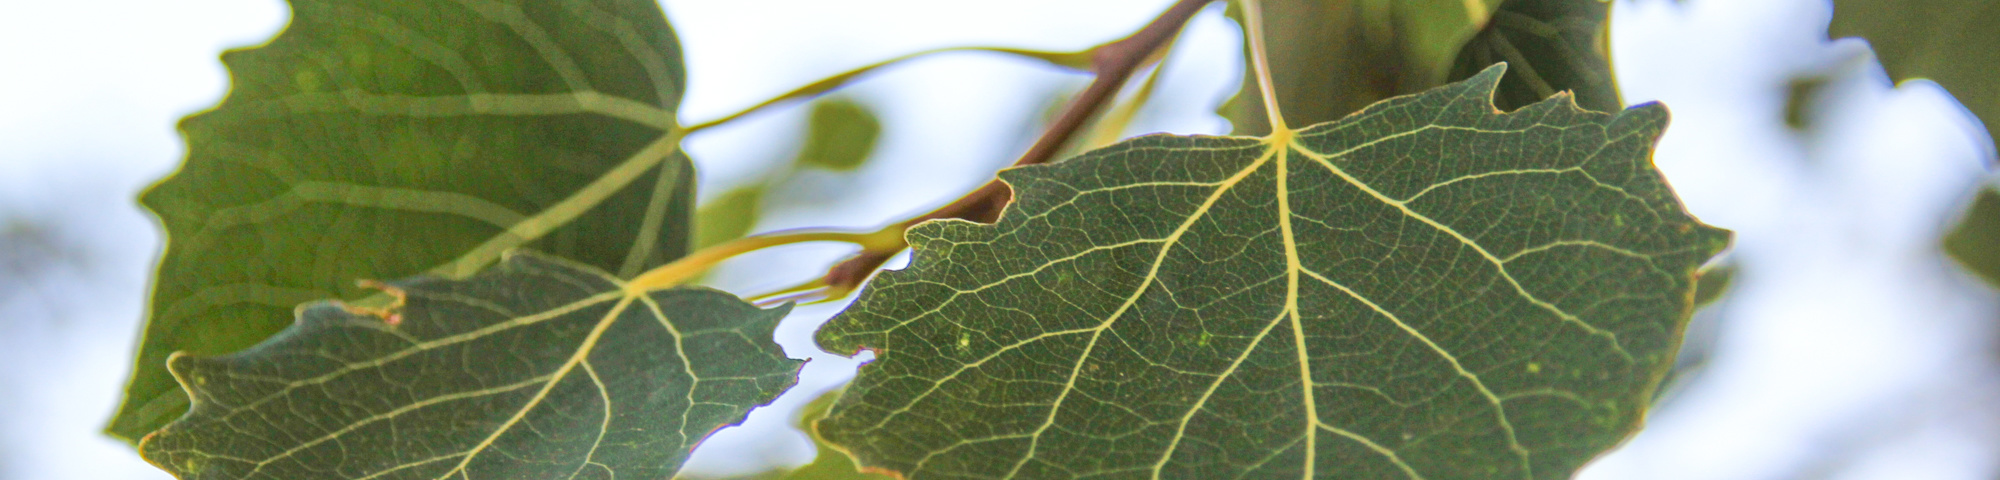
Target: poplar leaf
{"points": [[1428, 289]]}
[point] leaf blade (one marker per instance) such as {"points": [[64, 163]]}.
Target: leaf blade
{"points": [[386, 139], [1156, 307]]}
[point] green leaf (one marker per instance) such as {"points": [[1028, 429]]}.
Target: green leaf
{"points": [[1550, 46], [534, 369], [840, 135], [381, 139], [1951, 42], [830, 463], [1427, 289], [1975, 242], [729, 216], [1329, 59], [1712, 282]]}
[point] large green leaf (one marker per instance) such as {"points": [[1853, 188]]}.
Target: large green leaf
{"points": [[1550, 46], [1427, 289], [381, 139], [534, 369], [1331, 58], [1952, 42], [1975, 241], [729, 216], [840, 136]]}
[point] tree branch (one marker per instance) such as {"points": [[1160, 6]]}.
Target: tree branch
{"points": [[1114, 64]]}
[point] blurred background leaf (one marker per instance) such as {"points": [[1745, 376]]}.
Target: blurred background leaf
{"points": [[1955, 43], [1330, 58], [382, 139], [828, 462], [1975, 242], [840, 135]]}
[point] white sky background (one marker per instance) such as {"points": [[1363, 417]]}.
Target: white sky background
{"points": [[1849, 350]]}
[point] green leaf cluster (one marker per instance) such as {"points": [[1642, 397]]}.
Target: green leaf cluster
{"points": [[1430, 287]]}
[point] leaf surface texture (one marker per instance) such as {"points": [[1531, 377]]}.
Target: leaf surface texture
{"points": [[536, 368], [1429, 289]]}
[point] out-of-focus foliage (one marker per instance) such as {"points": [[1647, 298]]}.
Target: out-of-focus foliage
{"points": [[1975, 242], [840, 136], [535, 368], [1331, 58], [1712, 283], [729, 216], [30, 248], [1953, 42], [1337, 57], [828, 463], [1800, 95], [1550, 46]]}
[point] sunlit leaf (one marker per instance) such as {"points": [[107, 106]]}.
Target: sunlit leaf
{"points": [[1550, 46], [1952, 42], [1711, 283], [534, 369], [381, 139], [1975, 242], [829, 463], [729, 216], [1329, 59], [1427, 289]]}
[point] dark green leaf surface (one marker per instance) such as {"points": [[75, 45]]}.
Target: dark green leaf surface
{"points": [[382, 139], [1428, 289], [1550, 46], [1953, 42], [535, 369], [1975, 242]]}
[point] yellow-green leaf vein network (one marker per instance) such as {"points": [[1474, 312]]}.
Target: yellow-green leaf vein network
{"points": [[535, 369], [378, 139], [1428, 289]]}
